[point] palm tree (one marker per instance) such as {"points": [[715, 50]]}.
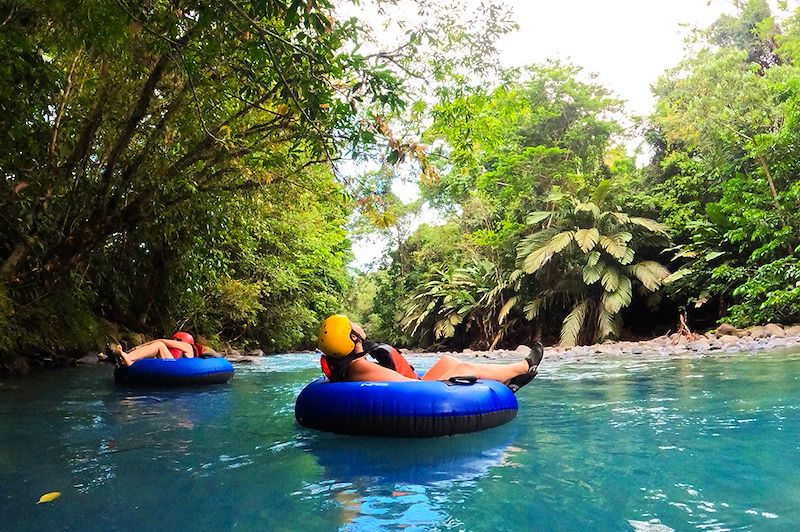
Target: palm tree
{"points": [[470, 297], [582, 258]]}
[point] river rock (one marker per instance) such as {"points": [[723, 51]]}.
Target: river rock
{"points": [[699, 345], [757, 331], [792, 330], [772, 329], [255, 353], [89, 359], [728, 339], [523, 350], [726, 329]]}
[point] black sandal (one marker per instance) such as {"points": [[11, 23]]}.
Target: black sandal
{"points": [[534, 359]]}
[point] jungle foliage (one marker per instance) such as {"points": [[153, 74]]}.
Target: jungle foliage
{"points": [[553, 230], [176, 163], [172, 163]]}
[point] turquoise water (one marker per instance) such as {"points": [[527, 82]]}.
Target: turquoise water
{"points": [[707, 443]]}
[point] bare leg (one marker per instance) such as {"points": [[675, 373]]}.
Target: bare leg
{"points": [[448, 366], [154, 349]]}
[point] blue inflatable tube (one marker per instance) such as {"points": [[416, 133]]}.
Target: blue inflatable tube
{"points": [[420, 409], [180, 372]]}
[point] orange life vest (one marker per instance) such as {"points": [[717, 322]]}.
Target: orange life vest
{"points": [[384, 354], [177, 353]]}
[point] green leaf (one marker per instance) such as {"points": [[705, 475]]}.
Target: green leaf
{"points": [[537, 216], [592, 258], [532, 308], [537, 259], [610, 280], [506, 309], [587, 238], [613, 247], [572, 324], [614, 301], [591, 274], [650, 225], [561, 240], [650, 273]]}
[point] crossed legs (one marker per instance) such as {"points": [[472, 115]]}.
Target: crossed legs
{"points": [[154, 349]]}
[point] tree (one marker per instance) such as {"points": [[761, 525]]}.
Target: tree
{"points": [[583, 256]]}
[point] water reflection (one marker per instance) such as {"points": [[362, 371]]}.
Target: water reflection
{"points": [[385, 482]]}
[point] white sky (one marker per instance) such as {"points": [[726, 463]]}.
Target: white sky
{"points": [[626, 43]]}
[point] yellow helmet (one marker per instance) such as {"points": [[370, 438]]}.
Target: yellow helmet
{"points": [[334, 336]]}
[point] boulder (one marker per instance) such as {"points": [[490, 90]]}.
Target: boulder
{"points": [[89, 359], [773, 329], [726, 328], [523, 350], [699, 345], [757, 331], [792, 330], [255, 353], [728, 339]]}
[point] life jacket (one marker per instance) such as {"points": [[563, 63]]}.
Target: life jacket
{"points": [[177, 353], [387, 356]]}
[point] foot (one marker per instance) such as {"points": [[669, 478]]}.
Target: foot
{"points": [[534, 359], [119, 356]]}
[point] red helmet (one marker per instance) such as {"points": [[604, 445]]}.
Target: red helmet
{"points": [[183, 337]]}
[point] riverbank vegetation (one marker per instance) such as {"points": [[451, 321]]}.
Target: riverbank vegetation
{"points": [[179, 164]]}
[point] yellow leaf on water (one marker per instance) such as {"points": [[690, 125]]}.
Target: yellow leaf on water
{"points": [[47, 497]]}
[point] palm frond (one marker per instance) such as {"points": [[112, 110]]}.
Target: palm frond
{"points": [[572, 324], [592, 258], [621, 217], [587, 238], [613, 247], [588, 206], [606, 325], [444, 329], [615, 301], [561, 241], [650, 225], [532, 308], [537, 259], [628, 257], [650, 273], [610, 279], [591, 274], [506, 309], [537, 216], [680, 274]]}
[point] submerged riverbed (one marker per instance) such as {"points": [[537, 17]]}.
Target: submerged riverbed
{"points": [[621, 443]]}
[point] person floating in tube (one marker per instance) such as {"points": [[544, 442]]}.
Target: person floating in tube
{"points": [[344, 346], [181, 345]]}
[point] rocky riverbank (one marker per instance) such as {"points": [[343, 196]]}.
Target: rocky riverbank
{"points": [[726, 339]]}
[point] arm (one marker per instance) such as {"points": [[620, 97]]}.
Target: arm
{"points": [[183, 347], [364, 370]]}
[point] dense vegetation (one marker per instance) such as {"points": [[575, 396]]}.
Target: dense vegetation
{"points": [[173, 163], [554, 232]]}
